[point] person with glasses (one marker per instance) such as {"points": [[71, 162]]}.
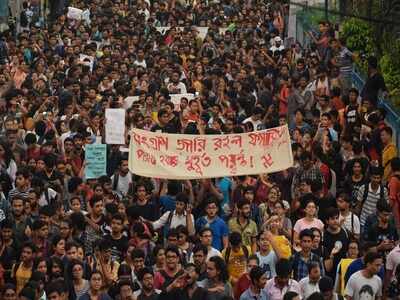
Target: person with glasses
{"points": [[172, 270]]}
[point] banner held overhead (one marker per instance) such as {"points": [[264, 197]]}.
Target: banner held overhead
{"points": [[181, 156]]}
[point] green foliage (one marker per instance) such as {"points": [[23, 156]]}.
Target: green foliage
{"points": [[390, 67], [359, 36]]}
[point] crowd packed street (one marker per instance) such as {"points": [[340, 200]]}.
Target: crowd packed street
{"points": [[78, 77]]}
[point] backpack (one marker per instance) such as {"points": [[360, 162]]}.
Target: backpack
{"points": [[229, 249], [168, 223], [366, 191]]}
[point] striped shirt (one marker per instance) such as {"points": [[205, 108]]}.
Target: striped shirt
{"points": [[16, 192], [369, 206]]}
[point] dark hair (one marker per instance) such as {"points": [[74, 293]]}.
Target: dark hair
{"points": [[388, 130], [383, 206], [119, 217], [220, 265], [305, 155], [253, 257], [37, 261], [325, 284], [256, 273], [30, 245], [182, 197], [305, 233], [124, 270], [332, 212], [316, 296], [73, 183], [37, 224], [143, 272], [370, 257], [201, 232], [200, 247], [54, 260], [94, 200], [71, 265], [138, 253], [290, 295], [56, 239], [312, 265], [283, 268], [395, 164], [345, 197], [173, 249], [377, 171], [235, 238]]}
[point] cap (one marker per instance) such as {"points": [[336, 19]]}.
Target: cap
{"points": [[277, 39]]}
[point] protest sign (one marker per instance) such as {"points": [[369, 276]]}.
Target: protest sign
{"points": [[115, 126], [96, 160], [74, 13], [202, 31], [181, 156], [176, 99], [128, 101]]}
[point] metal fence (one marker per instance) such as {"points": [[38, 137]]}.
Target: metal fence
{"points": [[307, 20]]}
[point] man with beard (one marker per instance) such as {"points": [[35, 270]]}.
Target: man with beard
{"points": [[122, 179], [148, 292], [244, 225], [256, 290], [185, 286]]}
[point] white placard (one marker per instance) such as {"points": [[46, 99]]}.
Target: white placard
{"points": [[74, 13], [176, 99], [128, 101], [115, 126]]}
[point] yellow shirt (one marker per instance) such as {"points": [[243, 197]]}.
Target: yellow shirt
{"points": [[247, 231], [22, 276], [236, 262], [343, 265], [284, 246], [389, 152]]}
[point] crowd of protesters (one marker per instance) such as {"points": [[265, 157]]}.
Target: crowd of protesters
{"points": [[327, 228]]}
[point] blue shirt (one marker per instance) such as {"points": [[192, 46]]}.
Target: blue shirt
{"points": [[357, 265], [167, 203], [249, 295], [225, 186], [219, 230]]}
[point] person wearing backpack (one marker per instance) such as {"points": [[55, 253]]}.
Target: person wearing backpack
{"points": [[370, 193], [235, 256], [181, 215]]}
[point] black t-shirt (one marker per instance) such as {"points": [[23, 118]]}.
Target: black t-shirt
{"points": [[329, 242], [147, 211], [118, 247]]}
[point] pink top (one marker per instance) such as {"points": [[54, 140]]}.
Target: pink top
{"points": [[304, 224]]}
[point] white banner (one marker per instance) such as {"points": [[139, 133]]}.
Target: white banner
{"points": [[115, 126], [180, 156]]}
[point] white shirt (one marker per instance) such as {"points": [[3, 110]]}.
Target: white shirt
{"points": [[179, 86], [307, 288], [176, 220], [393, 259], [350, 225], [52, 194]]}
